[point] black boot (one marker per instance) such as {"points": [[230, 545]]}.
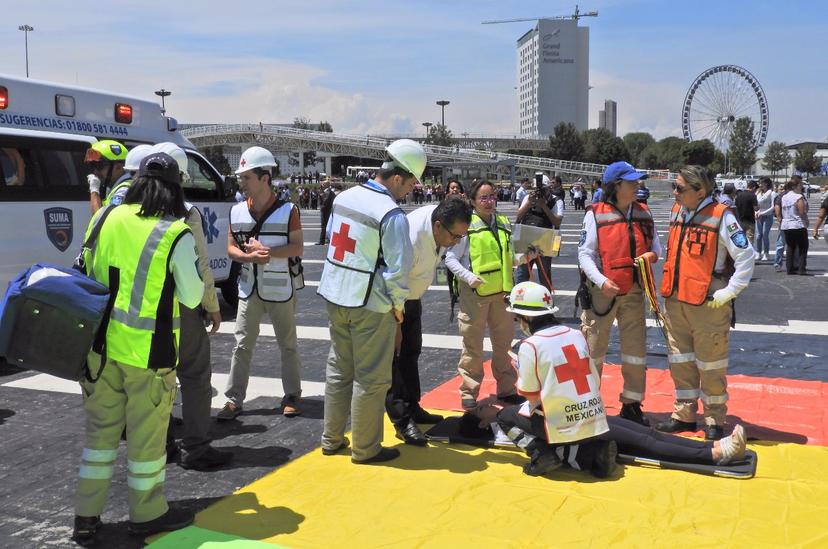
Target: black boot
{"points": [[173, 519], [604, 462], [86, 530], [542, 462], [673, 425], [632, 412]]}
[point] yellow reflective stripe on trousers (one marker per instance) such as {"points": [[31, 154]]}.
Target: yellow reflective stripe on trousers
{"points": [[99, 455], [631, 359], [715, 399], [96, 472], [144, 484], [146, 467], [687, 394], [679, 358], [712, 365]]}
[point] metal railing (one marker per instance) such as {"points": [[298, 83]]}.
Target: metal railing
{"points": [[436, 152]]}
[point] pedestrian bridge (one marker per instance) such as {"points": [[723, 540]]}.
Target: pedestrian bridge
{"points": [[282, 138]]}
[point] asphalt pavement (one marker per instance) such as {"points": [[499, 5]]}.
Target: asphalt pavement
{"points": [[781, 332]]}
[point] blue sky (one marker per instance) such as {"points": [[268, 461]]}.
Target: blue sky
{"points": [[375, 67]]}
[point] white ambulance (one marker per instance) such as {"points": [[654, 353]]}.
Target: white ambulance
{"points": [[45, 129]]}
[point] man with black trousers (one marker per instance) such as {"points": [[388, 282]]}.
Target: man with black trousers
{"points": [[326, 198], [432, 229]]}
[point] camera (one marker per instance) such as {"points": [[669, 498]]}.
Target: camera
{"points": [[539, 181]]}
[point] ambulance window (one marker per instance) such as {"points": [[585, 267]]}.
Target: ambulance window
{"points": [[202, 184], [41, 169]]}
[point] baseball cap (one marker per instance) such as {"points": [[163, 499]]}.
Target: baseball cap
{"points": [[161, 166], [622, 170]]}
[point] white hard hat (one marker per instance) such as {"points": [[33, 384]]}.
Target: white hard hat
{"points": [[408, 155], [531, 299], [255, 157], [135, 156], [176, 152]]}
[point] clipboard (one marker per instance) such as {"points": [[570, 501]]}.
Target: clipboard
{"points": [[546, 241]]}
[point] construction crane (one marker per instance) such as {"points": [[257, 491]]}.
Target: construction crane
{"points": [[575, 16]]}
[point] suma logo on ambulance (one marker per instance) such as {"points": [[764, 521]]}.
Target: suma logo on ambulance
{"points": [[59, 227]]}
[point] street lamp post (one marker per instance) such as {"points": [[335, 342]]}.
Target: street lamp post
{"points": [[26, 30], [162, 93], [443, 104], [427, 127]]}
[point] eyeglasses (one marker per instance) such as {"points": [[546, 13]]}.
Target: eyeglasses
{"points": [[488, 198], [454, 237], [680, 188]]}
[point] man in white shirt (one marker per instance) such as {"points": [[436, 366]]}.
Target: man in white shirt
{"points": [[432, 229]]}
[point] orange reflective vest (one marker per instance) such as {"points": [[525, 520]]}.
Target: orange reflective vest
{"points": [[692, 247], [621, 240]]}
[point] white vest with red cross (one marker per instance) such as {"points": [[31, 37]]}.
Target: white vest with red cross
{"points": [[355, 253], [555, 362], [271, 281]]}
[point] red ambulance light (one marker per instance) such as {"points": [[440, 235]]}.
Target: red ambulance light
{"points": [[123, 113], [4, 97]]}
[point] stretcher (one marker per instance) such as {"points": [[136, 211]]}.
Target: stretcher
{"points": [[465, 429]]}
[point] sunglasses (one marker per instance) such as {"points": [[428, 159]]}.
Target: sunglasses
{"points": [[680, 188]]}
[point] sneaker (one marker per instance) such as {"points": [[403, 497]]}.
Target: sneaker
{"points": [[173, 519], [733, 447], [778, 268], [632, 412], [333, 451], [86, 530], [290, 406], [385, 454], [209, 458], [543, 462], [604, 463], [766, 257], [229, 412]]}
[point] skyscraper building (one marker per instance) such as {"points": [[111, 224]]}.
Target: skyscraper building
{"points": [[553, 76], [608, 117]]}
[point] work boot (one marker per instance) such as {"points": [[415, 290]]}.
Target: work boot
{"points": [[673, 425], [604, 462], [411, 434], [385, 454], [713, 432], [632, 411], [209, 458], [229, 412], [86, 530], [173, 519], [421, 416], [290, 406], [542, 462]]}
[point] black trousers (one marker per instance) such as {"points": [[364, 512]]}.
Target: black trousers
{"points": [[403, 397], [796, 258], [194, 373], [631, 438], [323, 237]]}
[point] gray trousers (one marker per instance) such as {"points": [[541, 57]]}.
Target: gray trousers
{"points": [[283, 317], [357, 377], [194, 375]]}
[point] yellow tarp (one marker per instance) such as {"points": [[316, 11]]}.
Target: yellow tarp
{"points": [[458, 496]]}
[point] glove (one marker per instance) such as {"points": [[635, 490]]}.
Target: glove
{"points": [[721, 297], [94, 183]]}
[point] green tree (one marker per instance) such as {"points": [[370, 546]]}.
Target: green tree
{"points": [[303, 123], [806, 160], [215, 155], [601, 147], [776, 158], [742, 149], [719, 163], [669, 153], [636, 142], [566, 143], [439, 134], [701, 152], [648, 158], [325, 126]]}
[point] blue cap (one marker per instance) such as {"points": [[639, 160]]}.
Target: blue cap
{"points": [[621, 170]]}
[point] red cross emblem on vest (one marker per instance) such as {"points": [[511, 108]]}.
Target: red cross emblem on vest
{"points": [[576, 369], [342, 243]]}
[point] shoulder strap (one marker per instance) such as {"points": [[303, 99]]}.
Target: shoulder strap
{"points": [[93, 236], [260, 222]]}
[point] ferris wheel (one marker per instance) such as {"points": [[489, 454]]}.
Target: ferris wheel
{"points": [[717, 98]]}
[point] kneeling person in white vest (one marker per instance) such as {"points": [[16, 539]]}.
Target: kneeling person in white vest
{"points": [[264, 234]]}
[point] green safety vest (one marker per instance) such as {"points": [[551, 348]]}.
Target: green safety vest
{"points": [[132, 257], [490, 254], [115, 189]]}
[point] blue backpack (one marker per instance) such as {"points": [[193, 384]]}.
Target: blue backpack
{"points": [[50, 318]]}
